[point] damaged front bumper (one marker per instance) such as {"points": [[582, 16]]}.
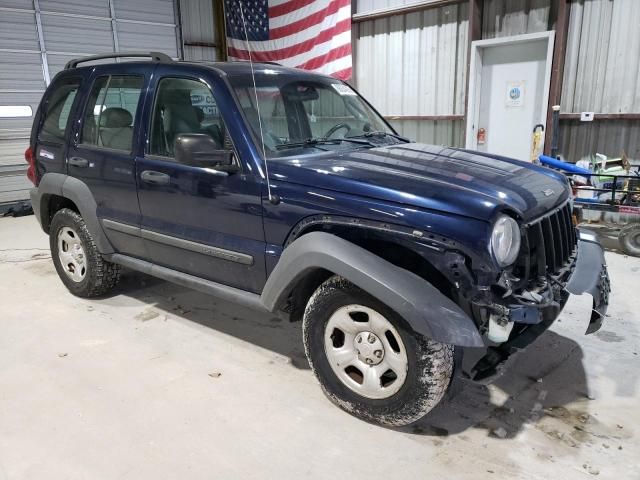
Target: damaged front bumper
{"points": [[588, 274]]}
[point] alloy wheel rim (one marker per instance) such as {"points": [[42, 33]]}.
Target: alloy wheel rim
{"points": [[365, 351], [71, 254]]}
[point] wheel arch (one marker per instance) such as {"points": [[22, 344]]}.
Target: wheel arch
{"points": [[57, 191], [389, 242], [52, 203], [314, 256]]}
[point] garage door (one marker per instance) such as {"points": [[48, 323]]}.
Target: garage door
{"points": [[38, 37]]}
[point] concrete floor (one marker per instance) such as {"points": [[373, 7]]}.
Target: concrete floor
{"points": [[159, 382]]}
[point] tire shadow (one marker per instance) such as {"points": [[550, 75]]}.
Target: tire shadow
{"points": [[538, 382]]}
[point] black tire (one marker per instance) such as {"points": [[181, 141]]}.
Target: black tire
{"points": [[430, 363], [629, 238], [101, 275]]}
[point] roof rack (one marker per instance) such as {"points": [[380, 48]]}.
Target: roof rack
{"points": [[155, 56]]}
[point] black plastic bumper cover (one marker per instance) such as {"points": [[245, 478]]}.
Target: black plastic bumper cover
{"points": [[590, 276]]}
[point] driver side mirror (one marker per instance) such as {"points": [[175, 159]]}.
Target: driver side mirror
{"points": [[200, 150]]}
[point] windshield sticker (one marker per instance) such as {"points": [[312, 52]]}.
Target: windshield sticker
{"points": [[342, 89]]}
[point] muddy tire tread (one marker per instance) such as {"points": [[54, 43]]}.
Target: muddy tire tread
{"points": [[434, 365], [102, 275]]}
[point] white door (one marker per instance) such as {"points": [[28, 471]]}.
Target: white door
{"points": [[509, 95]]}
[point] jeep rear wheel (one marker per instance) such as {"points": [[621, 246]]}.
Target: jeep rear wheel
{"points": [[368, 361], [75, 255]]}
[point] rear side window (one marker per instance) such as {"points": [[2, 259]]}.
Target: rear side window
{"points": [[57, 109], [110, 112]]}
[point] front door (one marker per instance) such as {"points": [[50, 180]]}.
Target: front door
{"points": [[511, 88], [197, 220], [102, 153]]}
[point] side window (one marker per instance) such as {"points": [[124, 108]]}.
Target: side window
{"points": [[110, 111], [57, 109], [184, 106]]}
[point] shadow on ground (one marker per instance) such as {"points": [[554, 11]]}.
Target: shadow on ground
{"points": [[539, 382], [259, 328]]}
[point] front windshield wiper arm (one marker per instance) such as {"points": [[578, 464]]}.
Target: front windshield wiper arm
{"points": [[380, 133], [313, 142]]}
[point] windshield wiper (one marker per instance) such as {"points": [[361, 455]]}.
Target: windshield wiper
{"points": [[313, 142], [380, 133]]}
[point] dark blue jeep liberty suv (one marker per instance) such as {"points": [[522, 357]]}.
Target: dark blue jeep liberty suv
{"points": [[286, 191]]}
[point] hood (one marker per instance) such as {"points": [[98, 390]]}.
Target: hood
{"points": [[437, 178]]}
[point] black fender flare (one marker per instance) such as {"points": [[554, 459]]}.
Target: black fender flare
{"points": [[79, 193], [423, 306]]}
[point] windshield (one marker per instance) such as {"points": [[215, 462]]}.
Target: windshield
{"points": [[321, 113]]}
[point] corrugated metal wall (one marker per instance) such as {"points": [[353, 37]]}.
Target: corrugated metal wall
{"points": [[603, 57], [414, 65], [363, 6], [612, 137], [201, 29], [602, 75], [21, 83], [38, 37], [503, 18]]}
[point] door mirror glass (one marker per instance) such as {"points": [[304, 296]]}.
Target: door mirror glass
{"points": [[200, 150]]}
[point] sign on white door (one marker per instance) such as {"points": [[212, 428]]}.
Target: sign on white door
{"points": [[515, 94]]}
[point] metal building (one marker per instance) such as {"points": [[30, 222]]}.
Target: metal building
{"points": [[412, 59]]}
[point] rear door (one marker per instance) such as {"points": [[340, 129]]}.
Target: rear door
{"points": [[198, 220], [103, 150]]}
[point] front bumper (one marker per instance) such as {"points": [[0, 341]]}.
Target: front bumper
{"points": [[590, 276], [587, 274]]}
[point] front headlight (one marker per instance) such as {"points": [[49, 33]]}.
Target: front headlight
{"points": [[505, 240]]}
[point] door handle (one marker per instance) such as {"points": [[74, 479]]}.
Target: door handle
{"points": [[79, 162], [155, 178]]}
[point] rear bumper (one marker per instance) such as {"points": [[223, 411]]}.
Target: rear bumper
{"points": [[590, 276], [35, 195]]}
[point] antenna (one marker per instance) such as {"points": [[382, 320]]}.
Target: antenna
{"points": [[273, 199]]}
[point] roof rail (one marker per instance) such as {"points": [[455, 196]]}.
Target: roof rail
{"points": [[155, 56]]}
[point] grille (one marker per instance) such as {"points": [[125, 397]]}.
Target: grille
{"points": [[548, 245]]}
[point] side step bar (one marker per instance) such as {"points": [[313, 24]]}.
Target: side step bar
{"points": [[225, 292]]}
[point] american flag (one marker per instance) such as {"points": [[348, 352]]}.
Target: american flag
{"points": [[310, 34]]}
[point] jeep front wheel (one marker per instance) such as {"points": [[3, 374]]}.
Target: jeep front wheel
{"points": [[368, 361]]}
